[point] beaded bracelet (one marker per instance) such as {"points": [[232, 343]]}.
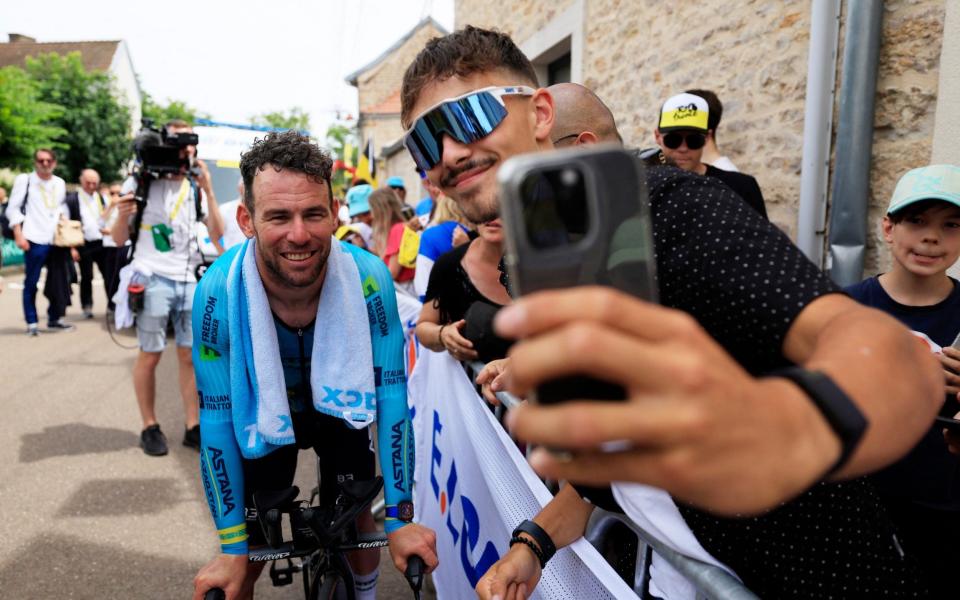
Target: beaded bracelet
{"points": [[533, 547]]}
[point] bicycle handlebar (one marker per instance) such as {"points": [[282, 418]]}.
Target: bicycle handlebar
{"points": [[414, 574]]}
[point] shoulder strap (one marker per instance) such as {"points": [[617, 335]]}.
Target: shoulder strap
{"points": [[198, 204], [141, 194], [26, 196], [73, 205]]}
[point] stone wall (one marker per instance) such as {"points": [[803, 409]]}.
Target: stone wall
{"points": [[753, 54], [384, 79]]}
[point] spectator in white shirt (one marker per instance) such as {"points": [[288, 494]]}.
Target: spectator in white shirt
{"points": [[36, 204], [92, 205]]}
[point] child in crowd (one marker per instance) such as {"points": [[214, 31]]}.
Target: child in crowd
{"points": [[922, 490]]}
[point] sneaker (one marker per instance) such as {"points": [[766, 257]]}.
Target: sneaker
{"points": [[88, 313], [191, 437], [153, 441], [56, 326], [33, 330]]}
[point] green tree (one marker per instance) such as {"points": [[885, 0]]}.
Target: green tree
{"points": [[96, 123], [173, 110], [295, 118], [24, 120]]}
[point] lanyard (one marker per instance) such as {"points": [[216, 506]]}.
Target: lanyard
{"points": [[93, 203], [184, 188], [46, 196]]}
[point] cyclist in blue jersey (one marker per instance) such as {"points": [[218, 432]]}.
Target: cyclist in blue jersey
{"points": [[298, 345]]}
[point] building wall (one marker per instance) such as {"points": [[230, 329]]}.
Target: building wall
{"points": [[753, 54], [380, 82], [126, 79]]}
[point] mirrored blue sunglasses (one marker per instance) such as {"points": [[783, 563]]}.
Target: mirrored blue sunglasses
{"points": [[466, 118]]}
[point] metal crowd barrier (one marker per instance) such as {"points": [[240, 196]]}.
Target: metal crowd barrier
{"points": [[712, 582]]}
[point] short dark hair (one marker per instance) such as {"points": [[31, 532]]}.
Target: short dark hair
{"points": [[285, 150], [714, 106], [47, 150], [462, 53]]}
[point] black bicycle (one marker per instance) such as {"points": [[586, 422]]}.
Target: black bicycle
{"points": [[321, 537]]}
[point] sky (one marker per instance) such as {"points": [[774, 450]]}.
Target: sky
{"points": [[239, 58]]}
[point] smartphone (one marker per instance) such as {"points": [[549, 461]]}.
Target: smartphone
{"points": [[573, 217], [408, 212]]}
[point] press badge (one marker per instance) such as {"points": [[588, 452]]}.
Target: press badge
{"points": [[161, 237]]}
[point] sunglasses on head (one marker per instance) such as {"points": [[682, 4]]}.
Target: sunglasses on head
{"points": [[674, 139], [466, 119]]}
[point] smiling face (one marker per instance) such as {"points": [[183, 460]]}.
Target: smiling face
{"points": [[925, 243], [293, 222], [44, 163], [468, 172]]}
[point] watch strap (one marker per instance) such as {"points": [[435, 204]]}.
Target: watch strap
{"points": [[844, 417], [401, 512], [541, 537]]}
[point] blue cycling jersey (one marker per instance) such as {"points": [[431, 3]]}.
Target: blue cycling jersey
{"points": [[220, 455]]}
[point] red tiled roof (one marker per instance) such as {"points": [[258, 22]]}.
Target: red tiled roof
{"points": [[96, 56]]}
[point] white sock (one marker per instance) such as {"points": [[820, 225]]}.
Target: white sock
{"points": [[366, 585]]}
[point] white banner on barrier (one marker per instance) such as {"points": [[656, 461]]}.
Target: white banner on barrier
{"points": [[473, 486]]}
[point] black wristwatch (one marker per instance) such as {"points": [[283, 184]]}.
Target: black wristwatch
{"points": [[541, 537], [837, 408]]}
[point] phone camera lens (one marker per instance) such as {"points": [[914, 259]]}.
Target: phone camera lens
{"points": [[569, 177]]}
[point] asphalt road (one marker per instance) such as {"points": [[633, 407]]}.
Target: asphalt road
{"points": [[85, 514]]}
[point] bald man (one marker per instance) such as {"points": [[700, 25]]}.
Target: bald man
{"points": [[581, 117], [92, 204]]}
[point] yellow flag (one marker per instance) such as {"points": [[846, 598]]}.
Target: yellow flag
{"points": [[367, 164]]}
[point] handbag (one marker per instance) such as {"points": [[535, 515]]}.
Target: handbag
{"points": [[409, 248], [69, 234]]}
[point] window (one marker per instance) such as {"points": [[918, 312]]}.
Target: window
{"points": [[556, 50]]}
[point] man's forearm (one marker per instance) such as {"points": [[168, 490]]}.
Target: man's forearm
{"points": [[120, 232], [565, 517], [890, 374], [214, 222]]}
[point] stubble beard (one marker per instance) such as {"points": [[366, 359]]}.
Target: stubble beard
{"points": [[271, 260], [480, 206]]}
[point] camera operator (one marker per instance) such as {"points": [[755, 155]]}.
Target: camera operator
{"points": [[162, 222]]}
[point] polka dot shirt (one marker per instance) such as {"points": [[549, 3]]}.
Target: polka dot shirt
{"points": [[745, 283]]}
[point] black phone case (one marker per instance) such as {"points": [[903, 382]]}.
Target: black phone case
{"points": [[616, 250]]}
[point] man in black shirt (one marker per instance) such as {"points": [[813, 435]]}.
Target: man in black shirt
{"points": [[682, 132], [701, 420]]}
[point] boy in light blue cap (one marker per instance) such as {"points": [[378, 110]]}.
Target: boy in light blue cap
{"points": [[358, 204], [922, 490]]}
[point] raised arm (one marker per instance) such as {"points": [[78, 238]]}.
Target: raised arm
{"points": [[700, 426]]}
